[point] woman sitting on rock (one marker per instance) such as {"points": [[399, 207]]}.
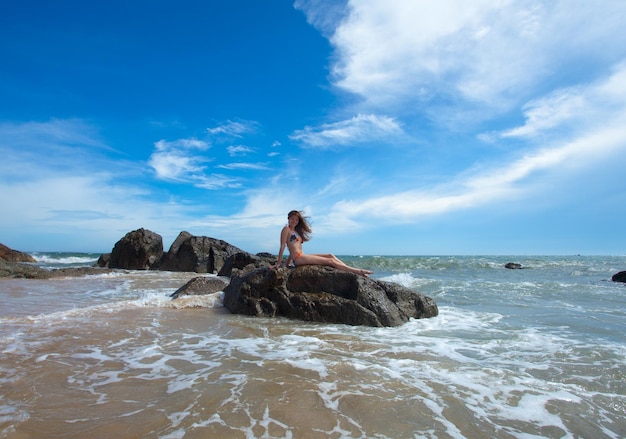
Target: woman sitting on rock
{"points": [[298, 231]]}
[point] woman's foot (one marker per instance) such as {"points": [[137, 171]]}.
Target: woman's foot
{"points": [[365, 273]]}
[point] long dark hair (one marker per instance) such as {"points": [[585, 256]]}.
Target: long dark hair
{"points": [[303, 228]]}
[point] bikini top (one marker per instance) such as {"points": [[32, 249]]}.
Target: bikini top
{"points": [[294, 237]]}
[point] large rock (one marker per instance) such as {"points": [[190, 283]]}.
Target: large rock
{"points": [[199, 254], [324, 294], [10, 255], [619, 277], [139, 250]]}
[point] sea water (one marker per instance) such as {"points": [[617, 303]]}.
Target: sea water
{"points": [[530, 353]]}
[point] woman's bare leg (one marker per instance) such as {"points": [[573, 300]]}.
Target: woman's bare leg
{"points": [[329, 260]]}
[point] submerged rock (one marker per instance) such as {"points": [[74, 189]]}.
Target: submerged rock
{"points": [[324, 294]]}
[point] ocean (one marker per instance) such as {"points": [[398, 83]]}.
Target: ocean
{"points": [[533, 353]]}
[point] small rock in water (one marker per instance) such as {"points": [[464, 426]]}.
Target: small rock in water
{"points": [[619, 277], [513, 265]]}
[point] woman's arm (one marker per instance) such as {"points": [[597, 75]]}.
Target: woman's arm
{"points": [[284, 234]]}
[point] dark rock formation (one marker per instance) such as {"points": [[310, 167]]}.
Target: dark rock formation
{"points": [[139, 250], [242, 260], [199, 286], [513, 265], [324, 294], [27, 271], [103, 260], [169, 262], [619, 277], [10, 255], [199, 254]]}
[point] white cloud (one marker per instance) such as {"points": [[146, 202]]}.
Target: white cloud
{"points": [[234, 128], [176, 161], [575, 107], [359, 129], [216, 181], [239, 150], [398, 52], [248, 166]]}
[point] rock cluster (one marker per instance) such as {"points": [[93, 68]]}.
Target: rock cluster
{"points": [[310, 293], [143, 250]]}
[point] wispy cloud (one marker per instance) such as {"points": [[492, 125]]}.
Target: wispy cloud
{"points": [[239, 150], [30, 149], [575, 108], [245, 166], [177, 160], [217, 181], [363, 128], [234, 128], [502, 182]]}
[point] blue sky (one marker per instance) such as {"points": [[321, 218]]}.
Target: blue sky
{"points": [[399, 127]]}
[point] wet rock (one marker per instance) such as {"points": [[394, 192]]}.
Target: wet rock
{"points": [[513, 265], [199, 286], [103, 260], [619, 277], [324, 294], [28, 271]]}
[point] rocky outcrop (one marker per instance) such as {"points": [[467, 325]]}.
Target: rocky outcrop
{"points": [[27, 271], [619, 277], [10, 255], [324, 294], [200, 254], [513, 266], [199, 286], [139, 250]]}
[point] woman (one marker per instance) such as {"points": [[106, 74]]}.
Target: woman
{"points": [[298, 231]]}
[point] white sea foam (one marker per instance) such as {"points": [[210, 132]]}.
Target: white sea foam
{"points": [[64, 258]]}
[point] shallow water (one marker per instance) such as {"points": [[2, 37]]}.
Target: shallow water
{"points": [[538, 352]]}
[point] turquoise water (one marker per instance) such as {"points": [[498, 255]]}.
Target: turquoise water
{"points": [[537, 352]]}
